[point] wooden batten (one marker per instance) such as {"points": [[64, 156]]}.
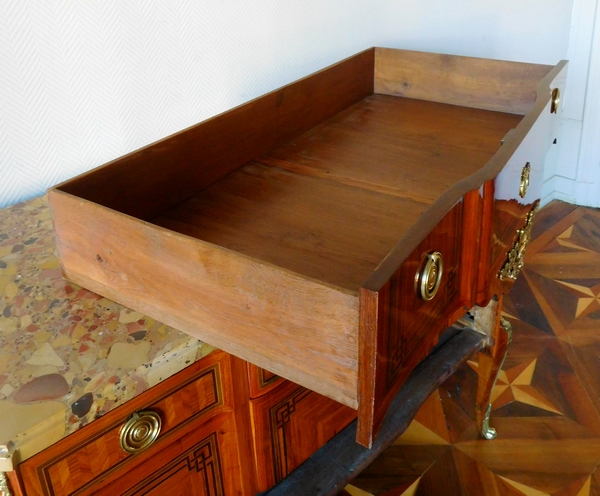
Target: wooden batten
{"points": [[369, 325]]}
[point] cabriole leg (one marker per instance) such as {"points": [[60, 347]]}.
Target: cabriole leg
{"points": [[499, 330]]}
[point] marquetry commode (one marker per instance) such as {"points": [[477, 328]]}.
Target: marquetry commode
{"points": [[192, 434], [330, 231], [84, 381]]}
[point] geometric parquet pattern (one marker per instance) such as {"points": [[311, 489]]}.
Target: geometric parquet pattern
{"points": [[546, 403]]}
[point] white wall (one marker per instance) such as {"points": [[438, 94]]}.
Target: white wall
{"points": [[83, 82], [587, 186], [573, 169]]}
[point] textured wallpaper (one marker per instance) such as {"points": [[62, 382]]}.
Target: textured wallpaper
{"points": [[83, 82]]}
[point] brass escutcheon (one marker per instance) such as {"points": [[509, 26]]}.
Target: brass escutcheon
{"points": [[140, 431], [428, 279], [555, 100], [524, 180]]}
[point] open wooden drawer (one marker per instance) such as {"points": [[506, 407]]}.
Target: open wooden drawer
{"points": [[289, 230]]}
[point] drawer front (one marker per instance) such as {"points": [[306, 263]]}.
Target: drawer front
{"points": [[261, 381], [200, 459], [512, 197], [407, 325], [518, 187], [413, 322], [191, 402], [291, 423]]}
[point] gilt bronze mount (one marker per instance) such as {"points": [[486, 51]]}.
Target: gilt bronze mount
{"points": [[515, 258]]}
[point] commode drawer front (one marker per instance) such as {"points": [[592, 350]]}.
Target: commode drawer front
{"points": [[290, 424], [414, 315], [518, 187], [153, 441], [412, 309], [521, 178]]}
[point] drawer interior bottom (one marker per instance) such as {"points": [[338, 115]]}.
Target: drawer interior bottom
{"points": [[332, 203], [329, 231]]}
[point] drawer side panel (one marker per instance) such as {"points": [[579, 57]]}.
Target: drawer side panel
{"points": [[295, 327], [147, 181]]}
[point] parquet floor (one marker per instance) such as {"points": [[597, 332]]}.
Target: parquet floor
{"points": [[546, 402]]}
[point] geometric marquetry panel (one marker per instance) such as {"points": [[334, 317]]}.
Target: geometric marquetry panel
{"points": [[198, 452], [546, 402], [291, 423], [280, 416], [201, 459]]}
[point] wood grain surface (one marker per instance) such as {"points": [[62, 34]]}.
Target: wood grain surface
{"points": [[546, 403], [399, 146], [145, 182], [341, 459], [290, 424], [251, 309], [201, 448], [471, 82], [261, 381], [407, 327], [486, 173], [315, 228], [14, 483]]}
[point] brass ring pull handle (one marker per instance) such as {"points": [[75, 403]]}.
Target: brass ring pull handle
{"points": [[140, 431], [524, 180], [428, 279], [555, 101]]}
